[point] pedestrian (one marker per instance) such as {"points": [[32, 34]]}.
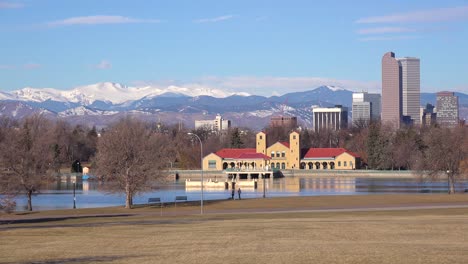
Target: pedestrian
{"points": [[232, 194], [239, 193]]}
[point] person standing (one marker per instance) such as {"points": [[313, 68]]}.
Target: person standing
{"points": [[232, 194], [239, 193]]}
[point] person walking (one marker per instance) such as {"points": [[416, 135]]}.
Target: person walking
{"points": [[239, 193], [232, 194]]}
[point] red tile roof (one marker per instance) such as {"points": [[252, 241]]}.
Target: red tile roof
{"points": [[253, 156], [327, 153], [229, 153], [285, 143]]}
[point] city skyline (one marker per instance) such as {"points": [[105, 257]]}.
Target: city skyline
{"points": [[273, 48]]}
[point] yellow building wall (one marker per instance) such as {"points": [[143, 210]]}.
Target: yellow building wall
{"points": [[278, 147], [261, 143], [212, 157], [294, 151], [343, 159]]}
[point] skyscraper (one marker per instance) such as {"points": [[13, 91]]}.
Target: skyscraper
{"points": [[391, 90], [366, 107], [410, 88], [400, 90], [447, 109]]}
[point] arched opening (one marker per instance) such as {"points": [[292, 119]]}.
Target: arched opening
{"points": [[225, 165], [302, 165], [317, 165], [311, 166], [332, 165], [324, 165], [283, 166], [232, 164]]}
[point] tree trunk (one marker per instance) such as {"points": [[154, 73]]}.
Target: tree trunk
{"points": [[128, 198], [29, 200], [451, 184]]}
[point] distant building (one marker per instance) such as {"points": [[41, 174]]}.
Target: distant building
{"points": [[253, 162], [447, 109], [333, 118], [400, 90], [366, 107], [428, 116], [218, 124], [283, 121]]}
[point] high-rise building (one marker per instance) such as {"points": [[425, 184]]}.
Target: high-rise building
{"points": [[218, 124], [447, 109], [428, 116], [366, 107], [391, 90], [400, 90], [333, 118], [410, 88], [283, 121]]}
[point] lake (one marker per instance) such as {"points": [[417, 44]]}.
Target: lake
{"points": [[89, 194]]}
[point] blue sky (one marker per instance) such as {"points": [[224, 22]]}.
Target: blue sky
{"points": [[261, 47]]}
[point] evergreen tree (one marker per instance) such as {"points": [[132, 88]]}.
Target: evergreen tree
{"points": [[236, 141]]}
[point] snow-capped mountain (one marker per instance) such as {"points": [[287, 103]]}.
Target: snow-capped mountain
{"points": [[109, 92], [102, 103]]}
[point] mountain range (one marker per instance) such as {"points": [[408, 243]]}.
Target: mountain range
{"points": [[102, 103]]}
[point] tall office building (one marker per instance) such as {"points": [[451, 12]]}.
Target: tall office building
{"points": [[447, 109], [400, 90], [366, 107], [410, 88], [391, 90], [333, 118]]}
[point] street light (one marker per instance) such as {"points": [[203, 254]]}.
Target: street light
{"points": [[201, 167], [264, 175], [74, 196]]}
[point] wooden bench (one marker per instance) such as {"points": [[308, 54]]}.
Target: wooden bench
{"points": [[155, 200], [179, 199]]}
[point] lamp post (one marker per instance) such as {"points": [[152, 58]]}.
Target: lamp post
{"points": [[201, 168], [74, 196], [264, 176]]}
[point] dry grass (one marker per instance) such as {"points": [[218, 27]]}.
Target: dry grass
{"points": [[406, 236]]}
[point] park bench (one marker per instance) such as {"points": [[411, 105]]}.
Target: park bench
{"points": [[155, 200], [179, 199]]}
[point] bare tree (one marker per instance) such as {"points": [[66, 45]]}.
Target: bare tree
{"points": [[445, 153], [130, 157], [26, 156]]}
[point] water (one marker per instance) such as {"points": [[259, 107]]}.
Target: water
{"points": [[89, 194]]}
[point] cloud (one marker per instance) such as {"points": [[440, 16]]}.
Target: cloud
{"points": [[95, 20], [432, 15], [7, 5], [31, 66], [387, 38], [214, 19], [383, 30], [103, 65]]}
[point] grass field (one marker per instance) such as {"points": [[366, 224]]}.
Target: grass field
{"points": [[230, 232]]}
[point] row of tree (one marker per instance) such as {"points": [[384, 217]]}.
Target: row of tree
{"points": [[130, 154]]}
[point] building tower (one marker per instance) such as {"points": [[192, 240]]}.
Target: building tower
{"points": [[447, 109], [410, 88], [261, 143], [366, 107], [294, 150], [332, 118], [391, 90]]}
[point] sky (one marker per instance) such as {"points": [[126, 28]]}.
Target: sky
{"points": [[260, 47]]}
